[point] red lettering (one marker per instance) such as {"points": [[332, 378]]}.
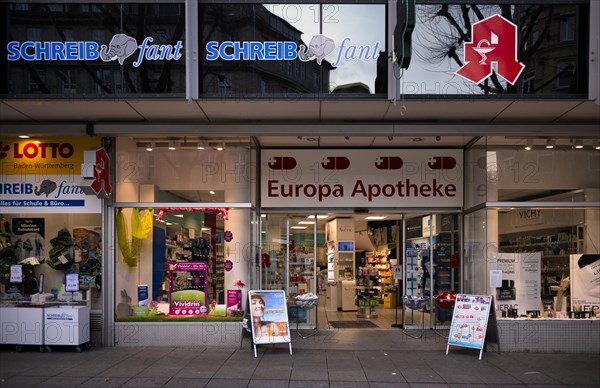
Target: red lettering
{"points": [[101, 173], [450, 190], [44, 150], [425, 190]]}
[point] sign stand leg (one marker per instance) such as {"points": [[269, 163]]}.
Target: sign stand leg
{"points": [[254, 350], [290, 348], [447, 348]]}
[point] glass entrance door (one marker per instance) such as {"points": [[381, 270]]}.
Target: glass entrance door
{"points": [[431, 268]]}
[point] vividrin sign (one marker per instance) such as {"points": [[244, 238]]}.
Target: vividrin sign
{"points": [[362, 178]]}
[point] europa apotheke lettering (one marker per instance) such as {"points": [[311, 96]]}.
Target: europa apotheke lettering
{"points": [[369, 191]]}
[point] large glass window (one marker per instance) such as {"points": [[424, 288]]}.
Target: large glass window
{"points": [[183, 227], [126, 67], [546, 34], [333, 48], [539, 230]]}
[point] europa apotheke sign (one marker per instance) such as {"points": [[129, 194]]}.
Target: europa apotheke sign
{"points": [[362, 178]]}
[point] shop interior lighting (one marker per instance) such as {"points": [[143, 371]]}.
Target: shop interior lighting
{"points": [[529, 144], [201, 145], [220, 147], [376, 218], [550, 143], [211, 192], [172, 145], [319, 216], [306, 223], [596, 145], [149, 147], [178, 215], [24, 136], [578, 144], [298, 227]]}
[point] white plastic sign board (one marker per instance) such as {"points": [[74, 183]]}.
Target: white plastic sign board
{"points": [[470, 321], [16, 273], [268, 313], [72, 282]]}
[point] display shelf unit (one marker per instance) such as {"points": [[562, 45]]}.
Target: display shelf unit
{"points": [[368, 292], [385, 280], [301, 270], [555, 244]]}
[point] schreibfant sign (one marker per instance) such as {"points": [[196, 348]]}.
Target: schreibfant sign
{"points": [[362, 178]]}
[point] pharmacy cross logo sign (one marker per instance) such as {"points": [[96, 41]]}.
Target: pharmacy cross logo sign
{"points": [[494, 40]]}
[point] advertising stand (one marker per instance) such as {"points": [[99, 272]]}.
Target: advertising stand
{"points": [[269, 318], [470, 319]]}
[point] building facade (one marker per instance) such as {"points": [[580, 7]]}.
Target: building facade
{"points": [[241, 134]]}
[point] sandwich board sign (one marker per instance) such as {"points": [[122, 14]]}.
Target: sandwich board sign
{"points": [[470, 319], [269, 318]]}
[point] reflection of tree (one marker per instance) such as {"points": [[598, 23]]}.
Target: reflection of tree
{"points": [[448, 27]]}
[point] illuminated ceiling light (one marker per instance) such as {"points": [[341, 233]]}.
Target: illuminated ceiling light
{"points": [[178, 215], [24, 136], [529, 144], [211, 192], [578, 144], [263, 216], [298, 227], [595, 144], [550, 143], [306, 223], [319, 216], [149, 147], [172, 146], [201, 145], [168, 223], [376, 218], [220, 147]]}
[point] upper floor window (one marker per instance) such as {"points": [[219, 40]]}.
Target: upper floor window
{"points": [[567, 28]]}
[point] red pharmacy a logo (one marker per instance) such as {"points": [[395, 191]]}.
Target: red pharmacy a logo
{"points": [[494, 40]]}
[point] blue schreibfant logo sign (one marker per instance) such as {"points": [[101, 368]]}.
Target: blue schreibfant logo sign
{"points": [[319, 47], [121, 47]]}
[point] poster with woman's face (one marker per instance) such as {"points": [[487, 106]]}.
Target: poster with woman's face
{"points": [[268, 312]]}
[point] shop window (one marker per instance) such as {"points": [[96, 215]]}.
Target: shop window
{"points": [[68, 81], [567, 28], [529, 82], [564, 74], [170, 264], [36, 81], [224, 85]]}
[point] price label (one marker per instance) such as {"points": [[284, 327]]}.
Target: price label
{"points": [[72, 282], [16, 273]]}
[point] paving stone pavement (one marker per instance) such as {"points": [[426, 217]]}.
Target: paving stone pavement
{"points": [[334, 358]]}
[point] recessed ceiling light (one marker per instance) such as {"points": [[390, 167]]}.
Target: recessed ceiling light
{"points": [[319, 216], [306, 222], [529, 144], [178, 215], [211, 192], [298, 227], [550, 143], [417, 139], [23, 136], [376, 218]]}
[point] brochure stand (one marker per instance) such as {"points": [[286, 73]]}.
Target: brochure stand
{"points": [[269, 318], [470, 319]]}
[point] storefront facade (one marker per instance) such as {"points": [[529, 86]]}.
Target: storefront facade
{"points": [[230, 124]]}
